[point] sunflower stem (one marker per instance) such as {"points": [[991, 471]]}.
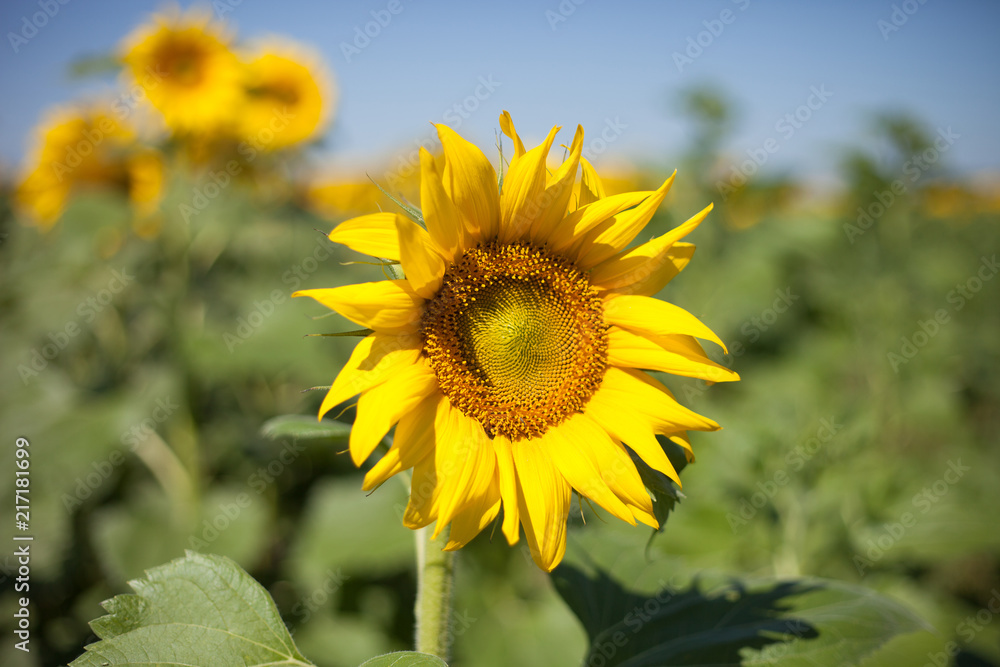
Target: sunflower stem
{"points": [[435, 572]]}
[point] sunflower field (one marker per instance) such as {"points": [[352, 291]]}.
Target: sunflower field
{"points": [[537, 408]]}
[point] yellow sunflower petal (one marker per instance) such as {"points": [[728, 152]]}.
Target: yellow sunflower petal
{"points": [[382, 406], [643, 270], [679, 437], [390, 464], [374, 360], [618, 471], [507, 127], [645, 517], [373, 235], [684, 441], [612, 408], [422, 507], [556, 196], [610, 238], [442, 217], [543, 502], [471, 182], [508, 488], [420, 258], [414, 440], [644, 315], [579, 222], [653, 404], [522, 200], [388, 306], [630, 350], [474, 516], [647, 268], [591, 187], [580, 470], [466, 463]]}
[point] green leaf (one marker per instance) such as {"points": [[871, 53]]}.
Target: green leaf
{"points": [[192, 611], [412, 212], [664, 491], [807, 622], [405, 659], [303, 427], [94, 65]]}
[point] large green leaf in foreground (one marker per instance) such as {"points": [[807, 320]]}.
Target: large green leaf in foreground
{"points": [[405, 659], [793, 623], [199, 610]]}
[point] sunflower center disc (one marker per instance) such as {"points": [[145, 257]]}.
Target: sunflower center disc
{"points": [[516, 337]]}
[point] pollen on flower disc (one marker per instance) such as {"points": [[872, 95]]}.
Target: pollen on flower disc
{"points": [[516, 337]]}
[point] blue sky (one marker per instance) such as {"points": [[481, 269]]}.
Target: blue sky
{"points": [[605, 63]]}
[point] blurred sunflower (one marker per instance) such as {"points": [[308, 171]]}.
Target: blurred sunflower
{"points": [[336, 199], [87, 147], [146, 178], [512, 354], [185, 66], [288, 97]]}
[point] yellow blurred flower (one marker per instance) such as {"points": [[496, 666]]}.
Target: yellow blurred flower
{"points": [[187, 70], [146, 178], [288, 97], [340, 199], [338, 196], [82, 148]]}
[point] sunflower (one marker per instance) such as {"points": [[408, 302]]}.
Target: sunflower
{"points": [[337, 197], [512, 357], [86, 147], [184, 65], [288, 97]]}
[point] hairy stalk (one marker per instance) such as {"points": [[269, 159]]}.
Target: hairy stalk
{"points": [[435, 572]]}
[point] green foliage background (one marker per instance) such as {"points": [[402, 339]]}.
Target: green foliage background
{"points": [[827, 448]]}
